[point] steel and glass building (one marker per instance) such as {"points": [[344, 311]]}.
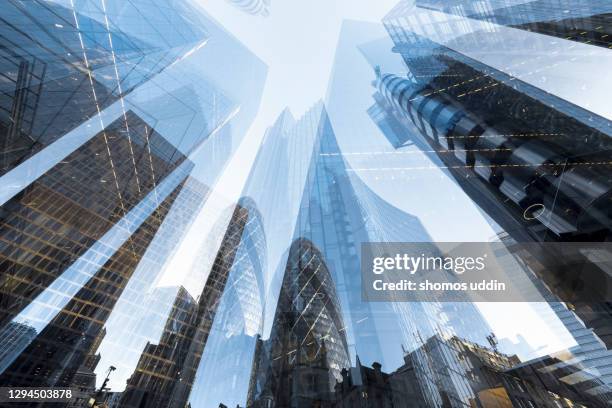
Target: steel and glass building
{"points": [[584, 21], [300, 363], [532, 160], [165, 372], [113, 134], [518, 137], [62, 67], [66, 232], [225, 365], [138, 271], [336, 214]]}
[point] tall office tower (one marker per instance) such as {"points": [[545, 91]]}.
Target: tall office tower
{"points": [[386, 223], [586, 21], [302, 316], [333, 217], [80, 231], [298, 174], [340, 212], [63, 67], [255, 7], [299, 364], [508, 138], [513, 149], [388, 193], [223, 375], [589, 355], [165, 373], [103, 114], [62, 214], [336, 213], [141, 310]]}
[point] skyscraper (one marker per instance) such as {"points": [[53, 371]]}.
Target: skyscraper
{"points": [[589, 353], [141, 305], [508, 144], [96, 190], [302, 359], [63, 67], [225, 368], [534, 179], [585, 21], [337, 212], [102, 119], [166, 371]]}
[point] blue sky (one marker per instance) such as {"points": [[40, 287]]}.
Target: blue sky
{"points": [[297, 41]]}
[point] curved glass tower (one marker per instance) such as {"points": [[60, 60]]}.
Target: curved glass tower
{"points": [[301, 361]]}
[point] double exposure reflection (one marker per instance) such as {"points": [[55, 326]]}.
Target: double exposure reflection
{"points": [[182, 221]]}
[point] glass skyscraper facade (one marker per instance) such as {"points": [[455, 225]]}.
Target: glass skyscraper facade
{"points": [[500, 138], [172, 235], [104, 116]]}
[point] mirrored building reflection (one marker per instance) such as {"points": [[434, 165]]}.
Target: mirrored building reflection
{"points": [[103, 123], [511, 146], [91, 220], [300, 363], [582, 21], [147, 260], [64, 65], [225, 368], [321, 327], [166, 370]]}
